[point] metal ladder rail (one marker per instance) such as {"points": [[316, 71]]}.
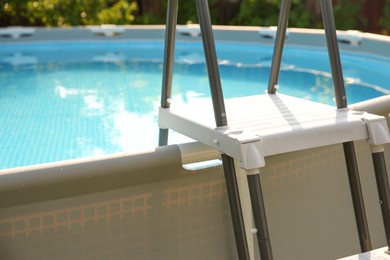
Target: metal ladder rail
{"points": [[377, 152], [221, 121], [349, 152], [349, 149], [382, 183], [169, 51], [254, 183], [219, 109], [341, 100], [284, 14]]}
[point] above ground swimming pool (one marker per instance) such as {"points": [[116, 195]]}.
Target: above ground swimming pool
{"points": [[62, 100]]}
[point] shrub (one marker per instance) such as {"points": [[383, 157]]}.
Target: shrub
{"points": [[67, 12], [384, 21], [347, 14], [266, 13], [187, 13], [119, 13]]}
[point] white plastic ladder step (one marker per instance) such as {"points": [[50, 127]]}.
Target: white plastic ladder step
{"points": [[271, 124]]}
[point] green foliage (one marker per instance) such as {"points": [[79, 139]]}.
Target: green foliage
{"points": [[187, 13], [149, 18], [119, 13], [257, 13], [13, 13], [87, 12], [67, 12], [347, 15], [266, 13], [385, 19]]}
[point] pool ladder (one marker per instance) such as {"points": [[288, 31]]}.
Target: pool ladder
{"points": [[249, 149]]}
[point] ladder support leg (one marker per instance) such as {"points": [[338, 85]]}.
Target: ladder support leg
{"points": [[382, 183], [235, 207], [260, 217], [163, 137], [357, 197]]}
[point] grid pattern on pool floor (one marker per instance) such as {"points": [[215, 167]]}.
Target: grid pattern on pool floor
{"points": [[120, 84], [50, 119]]}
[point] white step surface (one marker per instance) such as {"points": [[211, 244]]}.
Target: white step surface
{"points": [[377, 254], [271, 124]]}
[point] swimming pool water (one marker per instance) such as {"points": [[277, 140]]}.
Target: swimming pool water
{"points": [[61, 101]]}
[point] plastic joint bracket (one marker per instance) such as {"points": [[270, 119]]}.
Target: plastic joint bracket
{"points": [[270, 32], [378, 133], [251, 151], [351, 37]]}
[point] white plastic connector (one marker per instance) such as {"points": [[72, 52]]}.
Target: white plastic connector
{"points": [[107, 30], [351, 37], [192, 30], [378, 131], [270, 32], [377, 148], [243, 146], [251, 151], [17, 31]]}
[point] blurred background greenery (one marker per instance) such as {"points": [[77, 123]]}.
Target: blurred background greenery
{"points": [[364, 15]]}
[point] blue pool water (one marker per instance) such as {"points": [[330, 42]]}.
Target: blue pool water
{"points": [[62, 101]]}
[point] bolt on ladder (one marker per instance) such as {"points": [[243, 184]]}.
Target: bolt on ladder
{"points": [[246, 139]]}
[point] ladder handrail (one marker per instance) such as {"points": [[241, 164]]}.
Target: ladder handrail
{"points": [[284, 14], [334, 54], [211, 62], [258, 207], [169, 51], [221, 121], [341, 103]]}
